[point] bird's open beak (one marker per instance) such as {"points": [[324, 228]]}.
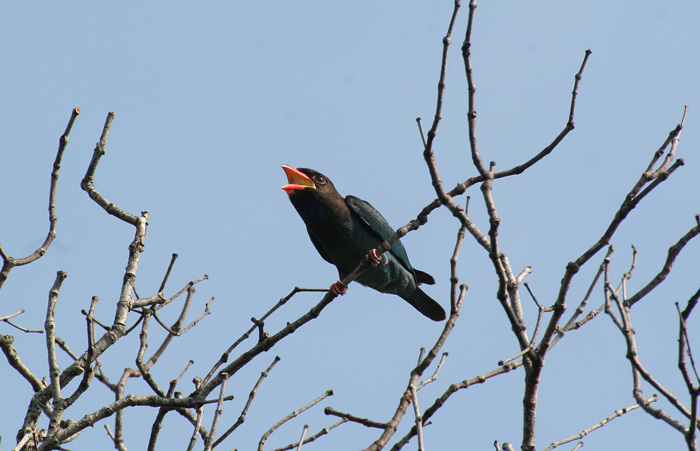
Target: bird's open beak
{"points": [[297, 180]]}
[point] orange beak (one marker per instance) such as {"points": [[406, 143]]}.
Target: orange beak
{"points": [[297, 180]]}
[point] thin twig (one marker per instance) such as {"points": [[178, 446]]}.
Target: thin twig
{"points": [[321, 433], [419, 419], [685, 342], [303, 434], [198, 423], [290, 416], [673, 252], [580, 435], [167, 273], [12, 315], [176, 330], [693, 389], [540, 311], [10, 262], [454, 279], [572, 323], [348, 417], [7, 318], [217, 413], [189, 285], [144, 369], [435, 374], [415, 376], [251, 396], [452, 389], [158, 422]]}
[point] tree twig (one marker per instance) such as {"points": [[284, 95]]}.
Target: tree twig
{"points": [[321, 433], [416, 374], [217, 414], [251, 396], [10, 262], [580, 435], [267, 434], [7, 318], [452, 389], [419, 418], [348, 417]]}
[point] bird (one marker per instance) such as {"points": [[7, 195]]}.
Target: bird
{"points": [[346, 230]]}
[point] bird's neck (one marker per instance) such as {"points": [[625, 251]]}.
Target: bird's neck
{"points": [[323, 215]]}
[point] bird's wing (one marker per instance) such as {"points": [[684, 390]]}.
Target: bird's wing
{"points": [[378, 225]]}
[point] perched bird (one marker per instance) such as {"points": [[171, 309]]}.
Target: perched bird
{"points": [[344, 231]]}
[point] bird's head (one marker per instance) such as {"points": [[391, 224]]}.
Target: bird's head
{"points": [[304, 179], [313, 195]]}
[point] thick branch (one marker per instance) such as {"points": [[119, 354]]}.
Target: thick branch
{"points": [[120, 404], [88, 181], [54, 370]]}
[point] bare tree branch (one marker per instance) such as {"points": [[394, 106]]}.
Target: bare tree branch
{"points": [[419, 418], [267, 434], [50, 400], [452, 389], [15, 362], [156, 426], [245, 336], [251, 396], [10, 262], [54, 370], [7, 318], [217, 414], [580, 435], [348, 417], [673, 252], [42, 396], [120, 404], [321, 433], [435, 374], [417, 372], [193, 440], [693, 388], [303, 434], [624, 324], [88, 181], [571, 323]]}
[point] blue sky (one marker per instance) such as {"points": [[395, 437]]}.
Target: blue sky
{"points": [[211, 98]]}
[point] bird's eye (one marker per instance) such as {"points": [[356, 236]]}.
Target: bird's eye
{"points": [[321, 180]]}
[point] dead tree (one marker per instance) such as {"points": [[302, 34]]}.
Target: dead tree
{"points": [[44, 424]]}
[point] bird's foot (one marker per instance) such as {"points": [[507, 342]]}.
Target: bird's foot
{"points": [[375, 260], [339, 288]]}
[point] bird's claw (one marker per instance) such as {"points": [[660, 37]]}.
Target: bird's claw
{"points": [[339, 288], [375, 260]]}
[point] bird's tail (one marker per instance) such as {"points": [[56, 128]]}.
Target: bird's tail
{"points": [[426, 305]]}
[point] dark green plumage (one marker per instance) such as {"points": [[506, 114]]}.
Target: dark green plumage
{"points": [[344, 230]]}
